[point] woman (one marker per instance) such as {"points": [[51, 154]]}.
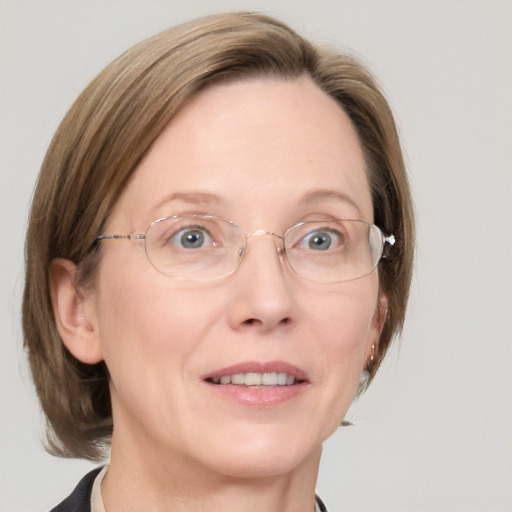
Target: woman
{"points": [[218, 256]]}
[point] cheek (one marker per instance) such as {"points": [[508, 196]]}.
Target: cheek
{"points": [[151, 335], [343, 321], [144, 323], [345, 315]]}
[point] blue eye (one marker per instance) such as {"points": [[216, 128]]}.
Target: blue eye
{"points": [[191, 238], [320, 241]]}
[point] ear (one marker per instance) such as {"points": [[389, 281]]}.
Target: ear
{"points": [[74, 312], [379, 319]]}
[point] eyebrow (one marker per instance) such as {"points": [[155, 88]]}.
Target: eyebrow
{"points": [[321, 194], [191, 197]]}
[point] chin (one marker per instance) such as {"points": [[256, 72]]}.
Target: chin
{"points": [[265, 456], [275, 465]]}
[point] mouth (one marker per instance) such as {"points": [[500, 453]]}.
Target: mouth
{"points": [[253, 379], [258, 384]]}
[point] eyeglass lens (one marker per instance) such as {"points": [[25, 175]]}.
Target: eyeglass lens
{"points": [[205, 248]]}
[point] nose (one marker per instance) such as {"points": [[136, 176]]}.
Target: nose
{"points": [[263, 299]]}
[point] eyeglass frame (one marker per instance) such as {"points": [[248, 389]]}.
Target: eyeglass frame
{"points": [[386, 239]]}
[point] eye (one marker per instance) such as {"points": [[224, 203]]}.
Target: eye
{"points": [[320, 240], [191, 237]]}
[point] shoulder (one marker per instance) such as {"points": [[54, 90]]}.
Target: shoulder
{"points": [[80, 499], [319, 505]]}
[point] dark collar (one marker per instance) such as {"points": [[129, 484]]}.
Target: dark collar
{"points": [[80, 499]]}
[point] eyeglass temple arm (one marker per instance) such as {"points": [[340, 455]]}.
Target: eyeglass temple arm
{"points": [[136, 236]]}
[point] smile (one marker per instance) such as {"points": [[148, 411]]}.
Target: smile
{"points": [[257, 379], [258, 384]]}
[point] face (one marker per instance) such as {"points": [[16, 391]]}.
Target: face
{"points": [[265, 154]]}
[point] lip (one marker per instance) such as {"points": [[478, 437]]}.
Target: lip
{"points": [[258, 396]]}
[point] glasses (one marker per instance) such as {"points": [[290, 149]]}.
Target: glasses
{"points": [[204, 247]]}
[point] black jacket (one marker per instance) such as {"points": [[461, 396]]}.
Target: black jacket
{"points": [[80, 499]]}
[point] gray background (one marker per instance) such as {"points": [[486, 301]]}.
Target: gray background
{"points": [[435, 431]]}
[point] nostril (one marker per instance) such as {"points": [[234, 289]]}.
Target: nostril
{"points": [[255, 323]]}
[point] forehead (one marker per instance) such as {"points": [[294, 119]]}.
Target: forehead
{"points": [[252, 147]]}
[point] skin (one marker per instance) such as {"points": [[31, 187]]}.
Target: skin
{"points": [[260, 146]]}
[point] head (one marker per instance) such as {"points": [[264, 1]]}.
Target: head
{"points": [[114, 129]]}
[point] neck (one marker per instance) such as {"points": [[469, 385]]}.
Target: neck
{"points": [[137, 481]]}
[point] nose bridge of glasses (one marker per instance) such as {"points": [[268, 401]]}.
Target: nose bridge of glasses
{"points": [[260, 232]]}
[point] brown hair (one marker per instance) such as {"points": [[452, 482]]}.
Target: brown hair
{"points": [[103, 138]]}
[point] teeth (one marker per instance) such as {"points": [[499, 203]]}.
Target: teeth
{"points": [[269, 379], [257, 379], [281, 379], [238, 378], [252, 379]]}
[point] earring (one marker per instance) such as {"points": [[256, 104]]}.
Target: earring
{"points": [[371, 361]]}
